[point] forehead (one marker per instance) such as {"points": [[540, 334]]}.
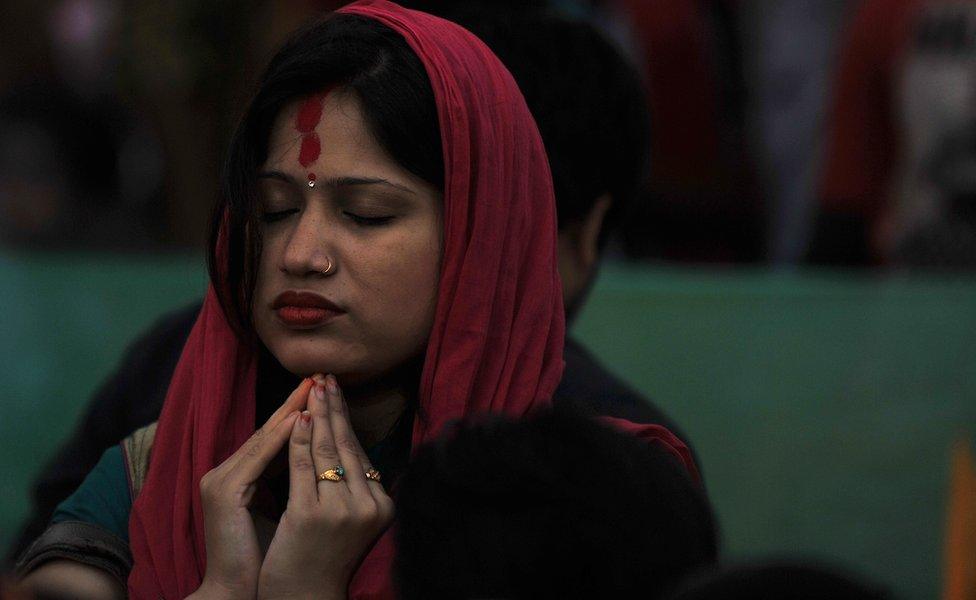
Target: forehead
{"points": [[344, 139]]}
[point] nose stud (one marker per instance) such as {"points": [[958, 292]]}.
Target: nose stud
{"points": [[328, 269]]}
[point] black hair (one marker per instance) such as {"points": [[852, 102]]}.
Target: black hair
{"points": [[555, 506], [587, 99], [778, 580], [359, 55]]}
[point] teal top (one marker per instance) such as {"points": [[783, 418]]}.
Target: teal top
{"points": [[103, 498]]}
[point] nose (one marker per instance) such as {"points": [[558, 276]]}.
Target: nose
{"points": [[308, 251]]}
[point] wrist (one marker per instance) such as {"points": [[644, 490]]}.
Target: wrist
{"points": [[319, 595], [212, 590], [322, 593]]}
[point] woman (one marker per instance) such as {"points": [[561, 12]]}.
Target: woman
{"points": [[388, 219]]}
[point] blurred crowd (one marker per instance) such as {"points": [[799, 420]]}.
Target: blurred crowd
{"points": [[784, 133]]}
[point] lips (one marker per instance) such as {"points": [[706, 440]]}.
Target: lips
{"points": [[304, 310]]}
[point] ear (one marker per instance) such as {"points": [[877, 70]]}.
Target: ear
{"points": [[587, 242]]}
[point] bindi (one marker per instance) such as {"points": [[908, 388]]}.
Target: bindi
{"points": [[309, 115]]}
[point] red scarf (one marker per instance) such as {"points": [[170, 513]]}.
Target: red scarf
{"points": [[497, 339]]}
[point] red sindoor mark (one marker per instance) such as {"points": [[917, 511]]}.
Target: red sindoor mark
{"points": [[309, 115]]}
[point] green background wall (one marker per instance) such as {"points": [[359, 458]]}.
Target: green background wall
{"points": [[822, 405]]}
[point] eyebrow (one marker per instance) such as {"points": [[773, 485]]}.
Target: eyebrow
{"points": [[335, 182]]}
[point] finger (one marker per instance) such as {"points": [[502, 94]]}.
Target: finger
{"points": [[255, 455], [351, 455], [301, 468], [295, 401], [384, 504], [349, 433], [324, 453]]}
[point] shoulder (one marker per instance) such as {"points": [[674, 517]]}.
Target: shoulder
{"points": [[105, 496], [90, 526], [136, 450], [586, 382], [590, 387]]}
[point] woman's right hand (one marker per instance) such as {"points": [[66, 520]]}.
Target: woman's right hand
{"points": [[233, 554]]}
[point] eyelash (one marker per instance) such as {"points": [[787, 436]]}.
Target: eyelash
{"points": [[275, 216], [367, 221]]}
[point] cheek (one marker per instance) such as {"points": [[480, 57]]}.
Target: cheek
{"points": [[406, 284], [265, 289], [271, 248]]}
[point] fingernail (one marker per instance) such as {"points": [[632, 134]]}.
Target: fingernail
{"points": [[319, 392], [333, 386], [305, 419]]}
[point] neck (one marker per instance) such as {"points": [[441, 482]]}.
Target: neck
{"points": [[376, 406], [375, 409]]}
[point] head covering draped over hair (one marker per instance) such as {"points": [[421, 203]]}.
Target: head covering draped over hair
{"points": [[497, 339]]}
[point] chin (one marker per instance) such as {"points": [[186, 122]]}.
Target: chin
{"points": [[306, 362]]}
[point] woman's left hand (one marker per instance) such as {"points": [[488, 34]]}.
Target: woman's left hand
{"points": [[327, 526]]}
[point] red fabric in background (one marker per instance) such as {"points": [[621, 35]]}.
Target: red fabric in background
{"points": [[703, 203], [683, 94], [862, 144], [497, 339]]}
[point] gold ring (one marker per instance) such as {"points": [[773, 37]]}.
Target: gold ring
{"points": [[373, 475], [333, 474]]}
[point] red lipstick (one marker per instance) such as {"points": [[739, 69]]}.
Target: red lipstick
{"points": [[304, 310]]}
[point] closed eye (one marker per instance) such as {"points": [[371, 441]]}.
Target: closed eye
{"points": [[367, 221], [278, 215]]}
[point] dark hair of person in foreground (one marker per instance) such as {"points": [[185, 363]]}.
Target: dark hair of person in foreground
{"points": [[554, 506], [778, 581]]}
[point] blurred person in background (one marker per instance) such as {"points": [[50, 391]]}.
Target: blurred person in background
{"points": [[788, 49], [588, 105], [700, 201], [180, 72], [702, 204], [899, 180], [554, 506], [78, 166], [113, 117]]}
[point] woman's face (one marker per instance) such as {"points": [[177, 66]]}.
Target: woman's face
{"points": [[348, 273]]}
